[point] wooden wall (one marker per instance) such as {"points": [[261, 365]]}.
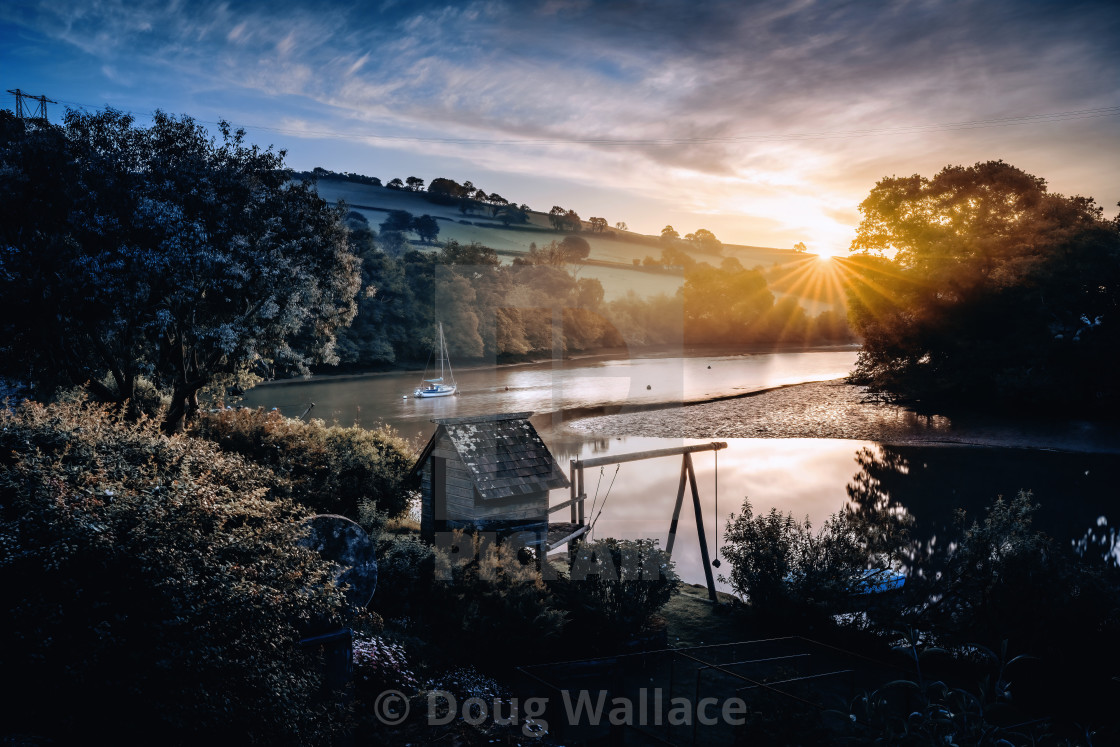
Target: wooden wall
{"points": [[444, 473]]}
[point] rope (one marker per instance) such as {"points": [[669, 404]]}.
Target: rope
{"points": [[591, 531], [595, 498], [717, 501]]}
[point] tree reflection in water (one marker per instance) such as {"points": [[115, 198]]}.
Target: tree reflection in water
{"points": [[919, 490]]}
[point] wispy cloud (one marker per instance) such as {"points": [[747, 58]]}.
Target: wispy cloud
{"points": [[695, 84]]}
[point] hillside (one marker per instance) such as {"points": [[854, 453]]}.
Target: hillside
{"points": [[612, 252]]}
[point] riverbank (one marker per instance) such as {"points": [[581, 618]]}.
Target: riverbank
{"points": [[836, 409], [582, 357]]}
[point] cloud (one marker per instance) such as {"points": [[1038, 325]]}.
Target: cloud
{"points": [[733, 100]]}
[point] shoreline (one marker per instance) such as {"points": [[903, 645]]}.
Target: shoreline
{"points": [[656, 351], [838, 410]]}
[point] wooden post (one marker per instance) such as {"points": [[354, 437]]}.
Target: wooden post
{"points": [[700, 529], [582, 496], [572, 487], [677, 508]]}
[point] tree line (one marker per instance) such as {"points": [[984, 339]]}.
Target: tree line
{"points": [[497, 311]]}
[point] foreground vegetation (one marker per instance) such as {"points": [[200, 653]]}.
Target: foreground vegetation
{"points": [[997, 603]]}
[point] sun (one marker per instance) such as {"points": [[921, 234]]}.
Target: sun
{"points": [[827, 253]]}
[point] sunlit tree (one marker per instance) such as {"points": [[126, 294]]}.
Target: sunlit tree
{"points": [[981, 285]]}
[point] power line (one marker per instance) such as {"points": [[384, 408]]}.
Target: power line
{"points": [[1028, 119], [25, 112]]}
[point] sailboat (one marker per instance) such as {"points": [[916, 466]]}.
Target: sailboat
{"points": [[436, 387]]}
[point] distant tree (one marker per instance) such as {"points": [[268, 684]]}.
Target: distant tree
{"points": [[556, 217], [705, 241], [621, 226], [998, 291], [159, 253], [446, 191], [414, 184], [669, 234], [395, 184], [397, 220], [393, 243], [426, 227], [513, 214], [497, 202], [575, 249], [800, 247], [355, 221], [572, 221], [597, 224]]}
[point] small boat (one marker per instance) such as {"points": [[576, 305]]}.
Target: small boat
{"points": [[436, 387]]}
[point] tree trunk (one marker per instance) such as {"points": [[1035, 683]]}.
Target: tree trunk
{"points": [[183, 408]]}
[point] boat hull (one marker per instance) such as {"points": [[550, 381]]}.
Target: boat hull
{"points": [[443, 391]]}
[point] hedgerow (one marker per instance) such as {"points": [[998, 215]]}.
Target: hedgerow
{"points": [[331, 469]]}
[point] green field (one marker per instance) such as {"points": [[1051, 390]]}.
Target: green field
{"points": [[612, 253]]}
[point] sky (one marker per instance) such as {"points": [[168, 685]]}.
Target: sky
{"points": [[764, 122]]}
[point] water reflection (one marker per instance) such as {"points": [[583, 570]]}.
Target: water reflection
{"points": [[916, 488], [572, 385]]}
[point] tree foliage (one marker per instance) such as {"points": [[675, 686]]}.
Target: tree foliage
{"points": [[980, 285], [155, 587], [159, 253]]}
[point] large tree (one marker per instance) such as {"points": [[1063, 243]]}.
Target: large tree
{"points": [[980, 285], [157, 253]]}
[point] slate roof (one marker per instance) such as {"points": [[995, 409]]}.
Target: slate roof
{"points": [[504, 453]]}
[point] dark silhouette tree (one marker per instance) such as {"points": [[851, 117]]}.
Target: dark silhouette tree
{"points": [[998, 291], [426, 227], [397, 220], [159, 253]]}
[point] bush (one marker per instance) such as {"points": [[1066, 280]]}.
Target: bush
{"points": [[492, 607], [404, 567], [619, 585], [380, 665], [331, 469], [152, 588], [776, 561], [1008, 580]]}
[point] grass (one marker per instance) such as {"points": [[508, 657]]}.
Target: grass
{"points": [[617, 250], [692, 620]]}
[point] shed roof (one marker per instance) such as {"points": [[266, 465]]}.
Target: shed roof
{"points": [[504, 453]]}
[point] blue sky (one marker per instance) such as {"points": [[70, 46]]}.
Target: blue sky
{"points": [[765, 122]]}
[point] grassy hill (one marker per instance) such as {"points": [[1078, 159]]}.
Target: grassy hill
{"points": [[612, 252]]}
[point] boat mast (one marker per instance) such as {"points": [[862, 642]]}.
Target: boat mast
{"points": [[442, 351]]}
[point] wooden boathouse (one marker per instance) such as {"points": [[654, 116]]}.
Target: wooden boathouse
{"points": [[486, 473]]}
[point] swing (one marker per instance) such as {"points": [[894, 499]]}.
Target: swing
{"points": [[715, 561]]}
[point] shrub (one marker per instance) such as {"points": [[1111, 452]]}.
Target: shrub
{"points": [[152, 588], [776, 561], [492, 607], [380, 665], [331, 469], [404, 567], [1008, 580], [620, 584]]}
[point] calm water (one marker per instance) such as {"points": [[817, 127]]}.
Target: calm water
{"points": [[809, 477], [543, 388]]}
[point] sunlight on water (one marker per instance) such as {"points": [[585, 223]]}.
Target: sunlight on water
{"points": [[545, 387]]}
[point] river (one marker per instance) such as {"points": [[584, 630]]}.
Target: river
{"points": [[809, 477]]}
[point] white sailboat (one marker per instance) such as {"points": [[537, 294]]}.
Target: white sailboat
{"points": [[436, 387]]}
